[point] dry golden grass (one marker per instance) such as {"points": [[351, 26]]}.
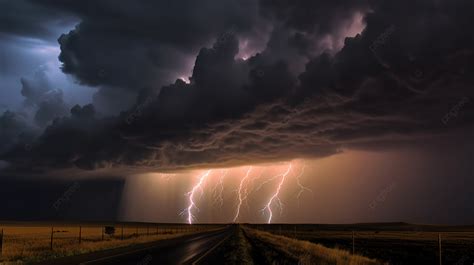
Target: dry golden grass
{"points": [[310, 253], [27, 244]]}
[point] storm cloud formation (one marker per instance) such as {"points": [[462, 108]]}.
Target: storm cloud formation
{"points": [[139, 46], [402, 79], [41, 105], [12, 130], [41, 98]]}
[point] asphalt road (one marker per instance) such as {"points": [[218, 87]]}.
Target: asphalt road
{"points": [[184, 250]]}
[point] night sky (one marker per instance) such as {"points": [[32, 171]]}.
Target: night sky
{"points": [[367, 104]]}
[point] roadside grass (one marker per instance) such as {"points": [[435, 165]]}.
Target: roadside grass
{"points": [[265, 253], [309, 253], [239, 250]]}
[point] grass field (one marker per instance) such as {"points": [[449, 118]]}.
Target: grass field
{"points": [[305, 252], [249, 246], [393, 243], [32, 242]]}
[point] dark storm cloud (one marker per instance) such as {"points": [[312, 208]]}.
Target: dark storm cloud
{"points": [[14, 130], [111, 100], [24, 18], [41, 98], [322, 17], [27, 33], [138, 46], [393, 83], [51, 107], [221, 88], [41, 105], [314, 26]]}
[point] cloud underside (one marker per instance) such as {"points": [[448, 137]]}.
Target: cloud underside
{"points": [[407, 76]]}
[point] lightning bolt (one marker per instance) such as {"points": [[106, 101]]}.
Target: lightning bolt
{"points": [[242, 197], [192, 204], [275, 197], [301, 186], [251, 184], [267, 181], [219, 189]]}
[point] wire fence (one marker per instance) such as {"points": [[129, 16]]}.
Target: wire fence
{"points": [[393, 246]]}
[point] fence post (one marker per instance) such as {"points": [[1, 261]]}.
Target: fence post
{"points": [[137, 231], [52, 236], [147, 230], [353, 243], [1, 242], [103, 233], [122, 233], [80, 234], [439, 243]]}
